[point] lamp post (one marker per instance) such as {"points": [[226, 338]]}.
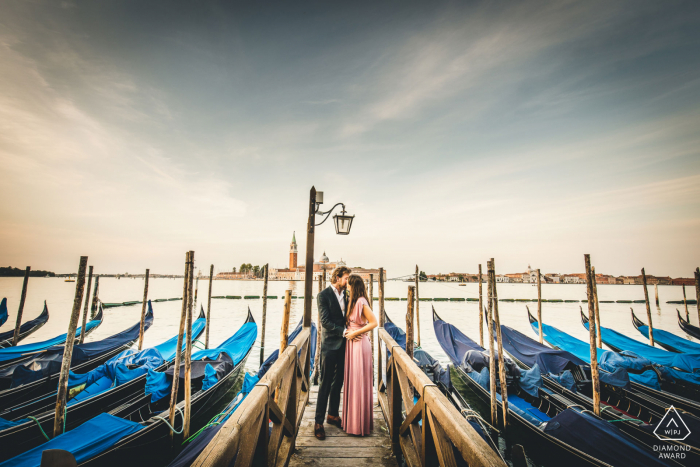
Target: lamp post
{"points": [[342, 222]]}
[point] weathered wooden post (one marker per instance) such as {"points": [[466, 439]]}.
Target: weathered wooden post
{"points": [[380, 310], [264, 313], [95, 294], [539, 304], [409, 320], [697, 290], [481, 313], [188, 353], [68, 349], [196, 290], [143, 309], [656, 293], [595, 380], [309, 268], [417, 306], [211, 280], [317, 357], [597, 308], [18, 323], [371, 305], [87, 302], [646, 300], [501, 365], [178, 349], [492, 353], [284, 334], [685, 305]]}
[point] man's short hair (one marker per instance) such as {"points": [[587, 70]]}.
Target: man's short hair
{"points": [[338, 273]]}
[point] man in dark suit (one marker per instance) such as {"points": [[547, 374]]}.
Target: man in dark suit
{"points": [[332, 303]]}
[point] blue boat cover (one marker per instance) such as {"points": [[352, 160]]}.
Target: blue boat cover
{"points": [[84, 442], [49, 362], [396, 333], [530, 380], [599, 439], [12, 353], [221, 360], [27, 326], [682, 366], [677, 342], [566, 379], [532, 353], [432, 368], [3, 311], [196, 446], [607, 359], [453, 341]]}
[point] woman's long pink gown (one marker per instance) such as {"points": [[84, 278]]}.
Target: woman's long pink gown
{"points": [[358, 398]]}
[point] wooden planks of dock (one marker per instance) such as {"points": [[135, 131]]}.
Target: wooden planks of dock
{"points": [[340, 449]]}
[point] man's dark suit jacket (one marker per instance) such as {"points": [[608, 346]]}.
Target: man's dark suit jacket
{"points": [[332, 320]]}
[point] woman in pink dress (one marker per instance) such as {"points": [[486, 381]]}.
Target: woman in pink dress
{"points": [[358, 397]]}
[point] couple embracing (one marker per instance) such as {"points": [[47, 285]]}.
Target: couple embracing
{"points": [[346, 355]]}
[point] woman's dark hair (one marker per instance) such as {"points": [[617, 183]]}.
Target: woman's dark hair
{"points": [[357, 289]]}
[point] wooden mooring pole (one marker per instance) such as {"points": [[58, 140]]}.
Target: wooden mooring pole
{"points": [[656, 293], [481, 313], [178, 349], [371, 304], [417, 306], [95, 300], [492, 353], [68, 349], [592, 336], [539, 305], [646, 300], [597, 309], [264, 313], [284, 333], [697, 291], [85, 309], [409, 320], [685, 305], [143, 309], [501, 358], [211, 280], [380, 310], [188, 353], [317, 356], [18, 323]]}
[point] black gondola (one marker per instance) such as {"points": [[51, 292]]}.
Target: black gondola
{"points": [[25, 329], [665, 339], [635, 414], [551, 420], [25, 435], [38, 376], [687, 327]]}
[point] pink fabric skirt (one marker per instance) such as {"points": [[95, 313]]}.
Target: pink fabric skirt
{"points": [[358, 397]]}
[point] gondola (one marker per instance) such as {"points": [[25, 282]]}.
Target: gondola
{"points": [[3, 312], [117, 381], [138, 431], [568, 434], [10, 356], [38, 376], [25, 329], [645, 378], [441, 378], [665, 339], [635, 414], [687, 327], [198, 442], [682, 370]]}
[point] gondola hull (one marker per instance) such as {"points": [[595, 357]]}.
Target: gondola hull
{"points": [[688, 328], [26, 329]]}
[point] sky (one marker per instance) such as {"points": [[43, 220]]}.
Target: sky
{"points": [[528, 132]]}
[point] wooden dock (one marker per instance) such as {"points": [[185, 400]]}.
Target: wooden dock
{"points": [[340, 449]]}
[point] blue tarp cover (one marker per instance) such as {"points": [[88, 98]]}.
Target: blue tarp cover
{"points": [[84, 442], [530, 380], [453, 341], [532, 353], [608, 360], [599, 439], [3, 311], [167, 348], [396, 333], [566, 379], [677, 342], [49, 362], [11, 353]]}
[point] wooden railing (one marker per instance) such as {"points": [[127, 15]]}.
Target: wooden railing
{"points": [[280, 397], [431, 442]]}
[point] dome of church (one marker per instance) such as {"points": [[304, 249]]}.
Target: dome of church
{"points": [[324, 258]]}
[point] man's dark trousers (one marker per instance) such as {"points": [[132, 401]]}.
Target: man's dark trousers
{"points": [[332, 363]]}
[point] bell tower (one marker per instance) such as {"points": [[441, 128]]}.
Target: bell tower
{"points": [[293, 252]]}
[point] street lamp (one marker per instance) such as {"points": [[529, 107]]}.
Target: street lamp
{"points": [[342, 222]]}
